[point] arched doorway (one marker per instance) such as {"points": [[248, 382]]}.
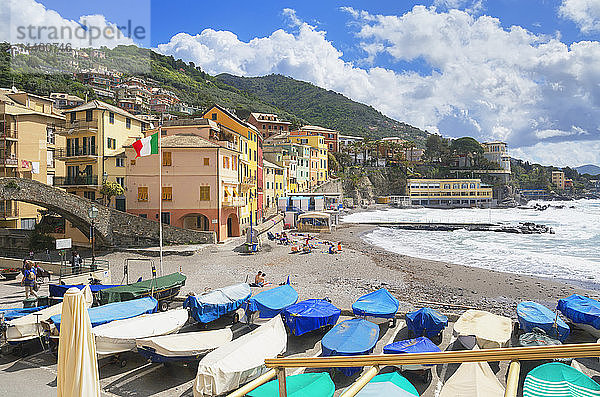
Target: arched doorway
{"points": [[196, 221], [202, 223], [233, 226]]}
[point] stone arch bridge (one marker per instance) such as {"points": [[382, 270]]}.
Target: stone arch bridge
{"points": [[113, 228]]}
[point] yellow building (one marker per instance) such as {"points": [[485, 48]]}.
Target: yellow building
{"points": [[449, 193], [558, 179], [28, 125], [246, 140], [318, 159]]}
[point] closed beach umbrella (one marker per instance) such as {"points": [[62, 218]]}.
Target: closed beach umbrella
{"points": [[559, 380], [77, 361]]}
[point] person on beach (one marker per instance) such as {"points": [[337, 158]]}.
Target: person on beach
{"points": [[257, 277], [261, 280], [332, 249], [339, 247], [28, 280]]}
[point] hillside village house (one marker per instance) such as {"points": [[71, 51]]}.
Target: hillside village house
{"points": [[558, 179], [269, 124], [449, 193], [28, 140], [330, 137], [318, 156]]}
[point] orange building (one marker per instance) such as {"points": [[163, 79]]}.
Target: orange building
{"points": [[269, 124], [331, 137]]}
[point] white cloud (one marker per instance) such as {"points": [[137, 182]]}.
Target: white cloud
{"points": [[29, 22], [572, 153], [470, 6], [585, 13]]}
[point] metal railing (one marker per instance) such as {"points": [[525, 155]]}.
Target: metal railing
{"points": [[10, 161], [79, 180], [9, 132], [513, 354], [8, 210], [73, 151], [80, 125]]}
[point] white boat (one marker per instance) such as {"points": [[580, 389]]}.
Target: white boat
{"points": [[32, 325], [241, 360], [487, 330], [120, 335], [473, 380], [188, 346]]}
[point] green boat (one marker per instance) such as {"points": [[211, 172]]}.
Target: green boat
{"points": [[311, 384], [164, 289], [559, 380], [391, 385]]}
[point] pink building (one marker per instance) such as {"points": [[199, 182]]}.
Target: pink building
{"points": [[199, 180]]}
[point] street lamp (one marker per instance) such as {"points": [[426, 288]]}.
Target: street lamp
{"points": [[93, 214]]}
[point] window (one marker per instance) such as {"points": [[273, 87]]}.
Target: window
{"points": [[111, 117], [119, 162], [89, 114], [73, 117], [90, 195], [206, 161], [50, 135], [465, 186], [121, 181], [127, 122], [472, 186], [167, 193], [213, 116], [225, 162], [264, 127], [446, 186], [28, 223], [111, 143], [204, 193], [166, 159], [165, 217], [143, 215], [143, 193]]}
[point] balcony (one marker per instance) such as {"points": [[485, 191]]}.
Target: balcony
{"points": [[74, 152], [9, 133], [248, 182], [78, 126], [9, 162], [79, 180], [8, 210], [227, 144], [234, 202]]}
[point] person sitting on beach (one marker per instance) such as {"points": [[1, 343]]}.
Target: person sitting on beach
{"points": [[339, 247], [261, 280], [332, 249], [257, 277]]}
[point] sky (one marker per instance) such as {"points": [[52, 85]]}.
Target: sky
{"points": [[523, 71]]}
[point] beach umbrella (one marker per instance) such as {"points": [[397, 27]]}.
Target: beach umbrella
{"points": [[559, 380], [309, 384], [390, 384], [77, 361]]}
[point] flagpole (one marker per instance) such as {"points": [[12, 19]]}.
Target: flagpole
{"points": [[160, 230]]}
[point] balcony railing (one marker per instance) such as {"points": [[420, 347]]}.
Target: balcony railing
{"points": [[234, 201], [74, 151], [11, 161], [8, 210], [9, 132], [79, 126], [79, 180]]}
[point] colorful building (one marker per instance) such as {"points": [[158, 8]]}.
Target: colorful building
{"points": [[331, 137], [558, 179], [318, 156], [449, 193], [28, 140], [269, 124], [497, 152]]}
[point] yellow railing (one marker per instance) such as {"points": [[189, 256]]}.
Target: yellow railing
{"points": [[513, 354]]}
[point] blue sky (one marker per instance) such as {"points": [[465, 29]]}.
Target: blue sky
{"points": [[526, 72]]}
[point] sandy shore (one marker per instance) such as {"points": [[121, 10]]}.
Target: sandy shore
{"points": [[360, 268]]}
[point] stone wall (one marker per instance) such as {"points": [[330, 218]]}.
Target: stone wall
{"points": [[113, 228]]}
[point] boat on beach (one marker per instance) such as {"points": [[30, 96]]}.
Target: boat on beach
{"points": [[391, 384], [120, 336], [421, 344], [270, 303], [113, 311], [17, 312], [350, 338], [473, 380], [426, 322], [486, 330], [559, 380], [377, 306], [183, 347], [241, 360], [308, 384], [583, 312], [533, 315], [217, 303], [310, 315]]}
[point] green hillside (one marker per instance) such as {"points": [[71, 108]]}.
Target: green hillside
{"points": [[296, 101], [323, 107]]}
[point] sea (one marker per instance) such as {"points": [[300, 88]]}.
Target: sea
{"points": [[572, 253]]}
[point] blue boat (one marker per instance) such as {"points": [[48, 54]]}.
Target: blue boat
{"points": [[216, 303], [426, 322], [58, 290], [310, 315], [350, 338], [116, 311], [584, 312], [421, 344], [533, 315], [377, 306], [11, 314], [270, 303]]}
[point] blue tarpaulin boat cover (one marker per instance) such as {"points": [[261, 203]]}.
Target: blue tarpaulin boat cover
{"points": [[58, 290], [212, 305], [310, 315], [378, 303], [421, 344], [350, 338], [116, 311], [426, 322], [581, 309], [271, 302], [533, 315], [11, 314]]}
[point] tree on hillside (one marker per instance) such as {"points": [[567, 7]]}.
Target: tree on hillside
{"points": [[466, 145], [436, 149]]}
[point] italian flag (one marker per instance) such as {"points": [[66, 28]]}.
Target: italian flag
{"points": [[146, 146]]}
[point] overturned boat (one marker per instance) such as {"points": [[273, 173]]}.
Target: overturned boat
{"points": [[377, 306], [486, 330], [270, 303], [217, 303], [583, 312], [533, 315], [310, 315]]}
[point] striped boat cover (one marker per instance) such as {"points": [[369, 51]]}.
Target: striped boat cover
{"points": [[559, 380]]}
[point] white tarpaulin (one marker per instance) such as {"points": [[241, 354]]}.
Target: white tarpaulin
{"points": [[77, 364], [490, 330], [29, 326], [119, 336], [241, 360], [473, 380], [187, 344]]}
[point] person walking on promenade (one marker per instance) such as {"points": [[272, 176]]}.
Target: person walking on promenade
{"points": [[29, 280]]}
